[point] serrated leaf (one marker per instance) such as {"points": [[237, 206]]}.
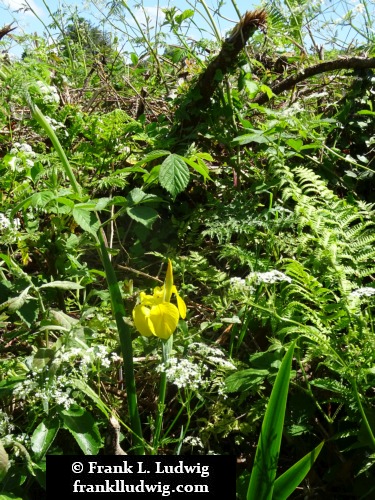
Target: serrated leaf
{"points": [[199, 166], [84, 429], [144, 215], [43, 437], [154, 155], [87, 220], [63, 285], [174, 174]]}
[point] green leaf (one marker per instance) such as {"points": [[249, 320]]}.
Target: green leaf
{"points": [[144, 215], [174, 174], [288, 482], [63, 285], [4, 462], [15, 303], [87, 220], [86, 389], [137, 196], [28, 312], [245, 380], [42, 358], [296, 144], [9, 496], [265, 464], [184, 15], [154, 155], [199, 166], [43, 437], [84, 429]]}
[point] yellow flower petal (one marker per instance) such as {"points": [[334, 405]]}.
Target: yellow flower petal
{"points": [[164, 318], [168, 284], [142, 320], [181, 306]]}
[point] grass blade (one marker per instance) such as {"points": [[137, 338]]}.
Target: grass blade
{"points": [[264, 471]]}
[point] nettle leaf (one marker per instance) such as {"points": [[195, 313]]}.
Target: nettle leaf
{"points": [[84, 429], [144, 215], [63, 285], [174, 174], [245, 380], [296, 144], [87, 220], [28, 312]]}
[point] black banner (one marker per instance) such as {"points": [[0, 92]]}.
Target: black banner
{"points": [[185, 477]]}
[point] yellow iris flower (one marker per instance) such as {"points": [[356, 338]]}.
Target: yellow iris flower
{"points": [[156, 315]]}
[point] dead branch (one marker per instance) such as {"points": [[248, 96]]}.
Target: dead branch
{"points": [[199, 96], [323, 67]]}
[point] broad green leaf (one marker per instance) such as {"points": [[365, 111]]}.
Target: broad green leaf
{"points": [[184, 15], [154, 155], [144, 215], [15, 303], [43, 436], [296, 144], [9, 496], [87, 220], [42, 198], [288, 482], [42, 358], [199, 166], [137, 196], [245, 380], [174, 174], [4, 462], [259, 138], [266, 457], [252, 88], [28, 312], [63, 285], [84, 429]]}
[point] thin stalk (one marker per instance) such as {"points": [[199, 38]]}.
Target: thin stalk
{"points": [[212, 21], [363, 414], [126, 345], [167, 347]]}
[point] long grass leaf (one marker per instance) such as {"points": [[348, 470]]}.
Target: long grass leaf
{"points": [[288, 482], [267, 454]]}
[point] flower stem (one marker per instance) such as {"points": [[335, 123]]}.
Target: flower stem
{"points": [[167, 348]]}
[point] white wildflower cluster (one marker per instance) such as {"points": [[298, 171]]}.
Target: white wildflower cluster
{"points": [[86, 358], [240, 285], [21, 156], [8, 225], [193, 441], [212, 355], [270, 277], [49, 93], [183, 373], [6, 427], [363, 292], [50, 391], [201, 369]]}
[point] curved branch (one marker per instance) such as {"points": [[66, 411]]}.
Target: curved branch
{"points": [[324, 67]]}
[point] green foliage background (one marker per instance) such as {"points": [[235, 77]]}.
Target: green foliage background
{"points": [[266, 211]]}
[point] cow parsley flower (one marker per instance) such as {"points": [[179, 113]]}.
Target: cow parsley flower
{"points": [[363, 292]]}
